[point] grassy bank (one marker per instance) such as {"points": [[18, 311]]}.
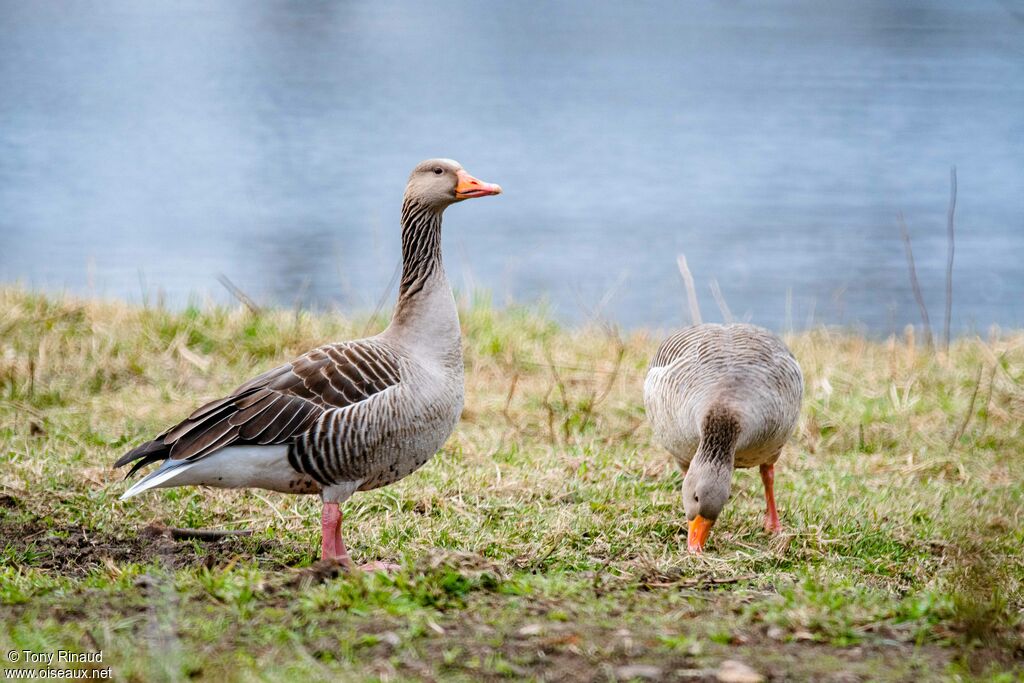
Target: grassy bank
{"points": [[546, 540]]}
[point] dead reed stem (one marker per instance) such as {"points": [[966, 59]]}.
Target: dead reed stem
{"points": [[914, 284], [716, 292], [236, 292], [691, 290], [950, 249]]}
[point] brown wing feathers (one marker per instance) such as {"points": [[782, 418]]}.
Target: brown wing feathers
{"points": [[277, 405]]}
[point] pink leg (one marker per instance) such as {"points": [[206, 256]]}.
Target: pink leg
{"points": [[333, 547], [771, 520]]}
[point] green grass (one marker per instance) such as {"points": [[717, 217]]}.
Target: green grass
{"points": [[547, 539]]}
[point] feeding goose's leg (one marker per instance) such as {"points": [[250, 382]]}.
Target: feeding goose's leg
{"points": [[771, 520]]}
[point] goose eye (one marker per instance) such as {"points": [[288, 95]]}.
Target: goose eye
{"points": [[438, 170]]}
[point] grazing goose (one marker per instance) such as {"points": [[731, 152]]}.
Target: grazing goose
{"points": [[719, 397], [344, 417]]}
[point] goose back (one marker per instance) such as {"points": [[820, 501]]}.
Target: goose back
{"points": [[743, 368]]}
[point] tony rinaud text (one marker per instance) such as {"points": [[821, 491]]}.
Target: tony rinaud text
{"points": [[61, 657]]}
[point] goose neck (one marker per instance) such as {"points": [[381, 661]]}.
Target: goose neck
{"points": [[425, 316], [421, 249]]}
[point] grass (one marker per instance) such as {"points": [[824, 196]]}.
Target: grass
{"points": [[545, 541]]}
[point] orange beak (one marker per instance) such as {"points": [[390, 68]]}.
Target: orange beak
{"points": [[698, 535], [470, 187]]}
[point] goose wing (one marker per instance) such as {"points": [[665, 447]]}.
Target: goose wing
{"points": [[278, 405]]}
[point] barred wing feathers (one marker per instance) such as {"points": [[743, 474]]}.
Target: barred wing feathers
{"points": [[277, 406]]}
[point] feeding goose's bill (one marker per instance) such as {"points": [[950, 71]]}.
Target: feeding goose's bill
{"points": [[720, 397], [347, 416], [697, 535]]}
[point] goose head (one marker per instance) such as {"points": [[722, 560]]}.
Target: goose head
{"points": [[437, 183], [706, 489]]}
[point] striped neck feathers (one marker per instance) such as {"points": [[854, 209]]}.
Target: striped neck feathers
{"points": [[709, 478], [720, 431], [426, 307], [421, 249]]}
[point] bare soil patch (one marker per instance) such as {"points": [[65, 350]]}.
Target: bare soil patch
{"points": [[75, 551]]}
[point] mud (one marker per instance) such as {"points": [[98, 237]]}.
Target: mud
{"points": [[75, 551]]}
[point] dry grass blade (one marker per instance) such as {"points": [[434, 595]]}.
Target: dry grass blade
{"points": [[723, 307], [914, 284], [691, 289], [988, 395], [968, 414], [241, 296], [385, 295], [950, 249]]}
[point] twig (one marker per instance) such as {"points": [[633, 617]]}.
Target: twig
{"points": [[158, 529], [914, 284], [988, 396], [599, 399], [969, 414], [508, 403], [716, 292], [560, 385], [551, 416], [609, 294], [206, 534], [242, 297], [691, 290], [702, 581], [303, 287], [574, 368], [949, 256]]}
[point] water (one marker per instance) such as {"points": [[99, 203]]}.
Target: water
{"points": [[149, 147]]}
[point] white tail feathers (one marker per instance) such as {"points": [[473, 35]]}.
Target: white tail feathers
{"points": [[234, 467], [159, 477]]}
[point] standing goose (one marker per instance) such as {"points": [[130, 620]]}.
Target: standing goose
{"points": [[720, 397], [344, 417]]}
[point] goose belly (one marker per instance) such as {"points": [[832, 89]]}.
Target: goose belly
{"points": [[235, 467], [381, 440], [410, 446], [761, 454]]}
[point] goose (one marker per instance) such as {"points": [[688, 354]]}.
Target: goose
{"points": [[720, 397], [347, 416]]}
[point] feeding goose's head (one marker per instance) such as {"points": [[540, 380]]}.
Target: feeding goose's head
{"points": [[439, 182], [705, 491]]}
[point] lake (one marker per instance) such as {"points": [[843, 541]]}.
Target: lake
{"points": [[146, 148]]}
